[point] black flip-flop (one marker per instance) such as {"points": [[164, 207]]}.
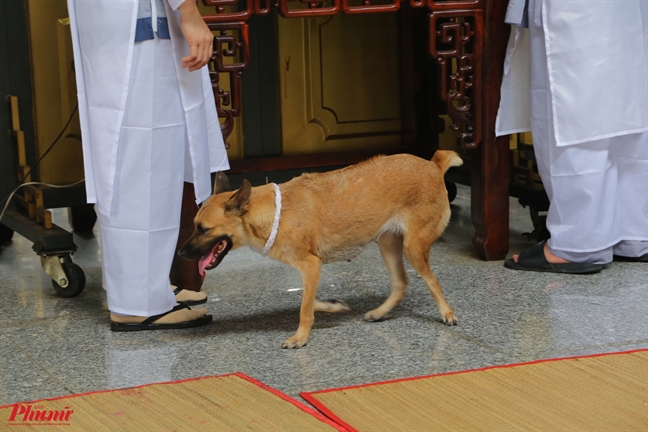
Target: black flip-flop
{"points": [[642, 259], [148, 323], [533, 259], [190, 302]]}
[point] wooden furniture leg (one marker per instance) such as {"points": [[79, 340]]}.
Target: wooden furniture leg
{"points": [[490, 175], [490, 200], [185, 273]]}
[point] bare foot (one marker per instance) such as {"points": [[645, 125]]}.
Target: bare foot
{"points": [[179, 316], [188, 295], [551, 258]]}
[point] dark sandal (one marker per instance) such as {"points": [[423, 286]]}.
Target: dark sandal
{"points": [[148, 323], [189, 302], [533, 259]]}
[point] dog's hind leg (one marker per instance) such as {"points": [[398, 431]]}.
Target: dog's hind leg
{"points": [[391, 249], [310, 269], [417, 253]]}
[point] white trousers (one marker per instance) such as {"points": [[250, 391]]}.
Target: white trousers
{"points": [[139, 237], [598, 190]]}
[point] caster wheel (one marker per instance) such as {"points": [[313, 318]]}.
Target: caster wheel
{"points": [[452, 190], [82, 218], [6, 234], [76, 281]]}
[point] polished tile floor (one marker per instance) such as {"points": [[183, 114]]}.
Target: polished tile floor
{"points": [[52, 346]]}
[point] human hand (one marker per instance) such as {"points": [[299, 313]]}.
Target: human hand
{"points": [[197, 34]]}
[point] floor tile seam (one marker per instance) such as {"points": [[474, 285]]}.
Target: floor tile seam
{"points": [[640, 343], [49, 374], [21, 323]]}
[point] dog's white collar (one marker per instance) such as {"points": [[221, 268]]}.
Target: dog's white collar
{"points": [[275, 222]]}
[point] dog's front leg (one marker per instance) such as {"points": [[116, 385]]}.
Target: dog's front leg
{"points": [[309, 268]]}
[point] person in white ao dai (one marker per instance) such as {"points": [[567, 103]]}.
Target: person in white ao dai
{"points": [[576, 76], [148, 124]]}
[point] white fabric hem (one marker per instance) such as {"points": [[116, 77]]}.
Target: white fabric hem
{"points": [[597, 249], [140, 313], [511, 132], [224, 166], [601, 137]]}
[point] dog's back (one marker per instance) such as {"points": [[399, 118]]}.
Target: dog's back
{"points": [[350, 207]]}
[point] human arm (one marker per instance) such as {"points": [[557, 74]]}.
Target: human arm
{"points": [[197, 34]]}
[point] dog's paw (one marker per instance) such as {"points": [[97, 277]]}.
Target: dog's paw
{"points": [[333, 306], [294, 342], [450, 319], [373, 316], [339, 306]]}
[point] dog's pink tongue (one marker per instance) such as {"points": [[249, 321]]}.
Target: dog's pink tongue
{"points": [[202, 264]]}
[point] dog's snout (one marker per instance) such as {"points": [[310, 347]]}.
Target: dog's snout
{"points": [[189, 252], [182, 253]]}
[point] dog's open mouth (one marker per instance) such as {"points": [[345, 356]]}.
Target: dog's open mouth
{"points": [[221, 246]]}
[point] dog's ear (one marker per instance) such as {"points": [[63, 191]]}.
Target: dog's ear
{"points": [[221, 183], [238, 203]]}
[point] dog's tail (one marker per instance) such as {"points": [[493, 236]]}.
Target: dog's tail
{"points": [[446, 159]]}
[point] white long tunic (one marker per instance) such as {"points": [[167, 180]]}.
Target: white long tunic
{"points": [[597, 65], [103, 33]]}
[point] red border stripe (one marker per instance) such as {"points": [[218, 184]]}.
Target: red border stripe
{"points": [[324, 409], [298, 404]]}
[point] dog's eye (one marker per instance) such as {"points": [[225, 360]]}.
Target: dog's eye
{"points": [[201, 229]]}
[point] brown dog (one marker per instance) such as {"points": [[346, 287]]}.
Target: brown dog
{"points": [[399, 201]]}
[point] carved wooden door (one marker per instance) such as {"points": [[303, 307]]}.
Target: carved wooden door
{"points": [[340, 83]]}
